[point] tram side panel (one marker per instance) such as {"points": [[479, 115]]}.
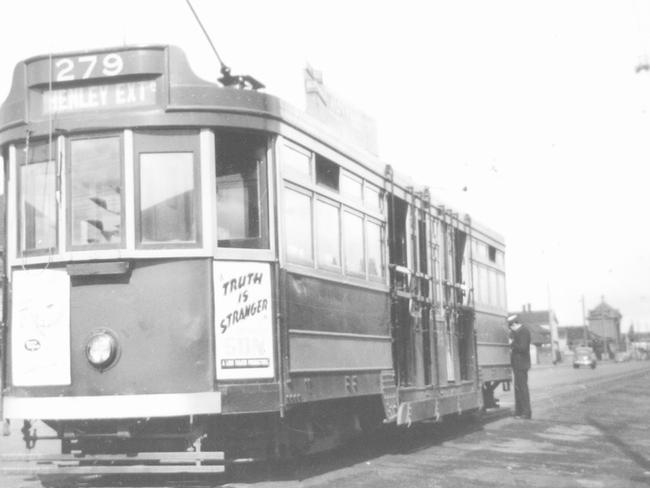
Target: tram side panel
{"points": [[493, 348], [339, 338]]}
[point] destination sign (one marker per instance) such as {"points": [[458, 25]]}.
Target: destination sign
{"points": [[96, 97], [118, 95]]}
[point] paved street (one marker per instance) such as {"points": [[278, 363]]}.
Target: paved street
{"points": [[591, 428]]}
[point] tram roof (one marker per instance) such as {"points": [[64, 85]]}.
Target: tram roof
{"points": [[180, 92]]}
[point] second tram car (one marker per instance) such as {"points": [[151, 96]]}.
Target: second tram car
{"points": [[196, 272]]}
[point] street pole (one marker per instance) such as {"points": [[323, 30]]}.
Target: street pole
{"points": [[584, 323], [552, 326]]}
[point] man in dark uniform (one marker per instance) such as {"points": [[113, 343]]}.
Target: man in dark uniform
{"points": [[520, 362]]}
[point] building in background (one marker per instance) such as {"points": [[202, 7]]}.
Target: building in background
{"points": [[605, 329]]}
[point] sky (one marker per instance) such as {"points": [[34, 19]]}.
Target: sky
{"points": [[535, 107]]}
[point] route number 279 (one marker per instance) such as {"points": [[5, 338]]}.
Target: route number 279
{"points": [[84, 67]]}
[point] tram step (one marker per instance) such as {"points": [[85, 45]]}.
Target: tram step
{"points": [[103, 464]]}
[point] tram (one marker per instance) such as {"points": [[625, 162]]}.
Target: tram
{"points": [[198, 273]]}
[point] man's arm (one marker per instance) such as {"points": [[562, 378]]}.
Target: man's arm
{"points": [[521, 341]]}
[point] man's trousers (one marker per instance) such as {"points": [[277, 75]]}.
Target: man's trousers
{"points": [[522, 397]]}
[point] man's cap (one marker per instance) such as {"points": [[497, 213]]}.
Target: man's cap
{"points": [[513, 319]]}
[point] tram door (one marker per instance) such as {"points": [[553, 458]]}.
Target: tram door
{"points": [[464, 316], [458, 317], [403, 324], [448, 298], [423, 292]]}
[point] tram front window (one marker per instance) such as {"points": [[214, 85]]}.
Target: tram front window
{"points": [[95, 192], [242, 191], [37, 207], [167, 197]]}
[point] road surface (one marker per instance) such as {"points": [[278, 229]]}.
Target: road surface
{"points": [[590, 428]]}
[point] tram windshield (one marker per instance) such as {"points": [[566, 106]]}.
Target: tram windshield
{"points": [[37, 206], [95, 192], [242, 200], [82, 183]]}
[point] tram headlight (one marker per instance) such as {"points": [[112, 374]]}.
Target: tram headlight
{"points": [[101, 350]]}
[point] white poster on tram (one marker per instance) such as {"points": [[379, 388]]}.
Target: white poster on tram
{"points": [[243, 320], [40, 327]]}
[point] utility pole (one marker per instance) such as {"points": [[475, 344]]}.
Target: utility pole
{"points": [[555, 353], [584, 323]]}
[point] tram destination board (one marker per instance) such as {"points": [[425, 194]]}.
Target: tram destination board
{"points": [[94, 81]]}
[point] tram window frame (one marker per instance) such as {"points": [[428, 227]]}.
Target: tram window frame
{"points": [[20, 162], [484, 284], [500, 257], [328, 173], [121, 244], [345, 250], [492, 254], [261, 242], [320, 189], [493, 287], [308, 226], [350, 186], [168, 141], [318, 227], [292, 171], [501, 283], [373, 198], [382, 249]]}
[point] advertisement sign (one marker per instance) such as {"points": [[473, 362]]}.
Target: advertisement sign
{"points": [[40, 328], [243, 320]]}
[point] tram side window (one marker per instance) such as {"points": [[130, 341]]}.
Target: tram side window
{"points": [[242, 191], [484, 291], [353, 243], [328, 235], [351, 186], [327, 173], [296, 164], [96, 192], [494, 292], [374, 249], [501, 285], [37, 198], [492, 254], [372, 198], [297, 211]]}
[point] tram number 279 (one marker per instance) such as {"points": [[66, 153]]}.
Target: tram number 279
{"points": [[84, 67]]}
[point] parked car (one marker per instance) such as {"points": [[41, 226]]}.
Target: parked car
{"points": [[584, 356]]}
